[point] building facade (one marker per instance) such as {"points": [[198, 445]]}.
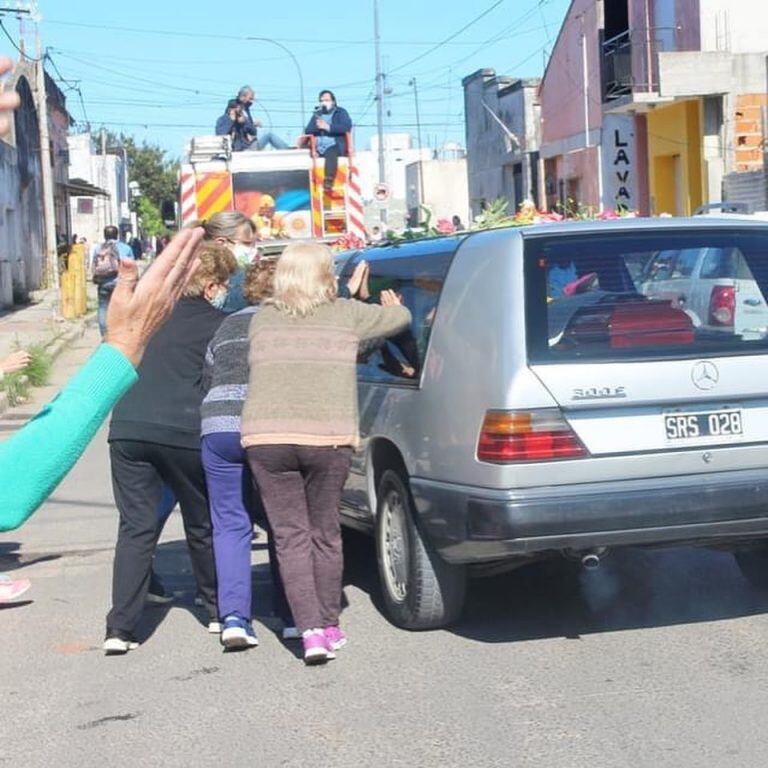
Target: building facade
{"points": [[22, 213], [503, 137], [100, 190], [656, 106], [440, 185]]}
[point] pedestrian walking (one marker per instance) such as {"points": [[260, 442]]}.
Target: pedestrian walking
{"points": [[300, 425], [105, 259], [154, 438]]}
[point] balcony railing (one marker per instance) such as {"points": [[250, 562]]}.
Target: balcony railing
{"points": [[631, 63], [617, 67]]}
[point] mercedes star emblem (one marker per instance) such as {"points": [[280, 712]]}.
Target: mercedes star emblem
{"points": [[705, 375]]}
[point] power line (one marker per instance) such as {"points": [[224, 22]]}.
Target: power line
{"points": [[16, 46], [245, 38], [448, 39]]}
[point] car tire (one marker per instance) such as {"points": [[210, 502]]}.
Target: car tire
{"points": [[753, 564], [420, 589]]}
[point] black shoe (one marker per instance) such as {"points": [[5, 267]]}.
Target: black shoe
{"points": [[118, 642], [156, 593]]}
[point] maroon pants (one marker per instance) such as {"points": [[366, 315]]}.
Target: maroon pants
{"points": [[301, 489]]}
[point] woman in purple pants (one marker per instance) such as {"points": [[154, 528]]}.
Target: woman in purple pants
{"points": [[233, 501]]}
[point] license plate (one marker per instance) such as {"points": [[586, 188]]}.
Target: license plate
{"points": [[688, 426]]}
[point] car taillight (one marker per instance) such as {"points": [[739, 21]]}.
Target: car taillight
{"points": [[722, 304], [544, 435]]}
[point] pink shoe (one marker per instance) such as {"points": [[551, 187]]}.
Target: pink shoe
{"points": [[335, 638], [316, 648], [13, 589]]}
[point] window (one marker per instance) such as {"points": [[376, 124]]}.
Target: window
{"points": [[417, 273], [676, 292]]}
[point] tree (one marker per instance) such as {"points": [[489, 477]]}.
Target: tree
{"points": [[150, 221], [148, 165]]}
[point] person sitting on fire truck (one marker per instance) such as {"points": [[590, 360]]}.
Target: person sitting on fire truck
{"points": [[233, 123], [330, 124], [245, 98]]}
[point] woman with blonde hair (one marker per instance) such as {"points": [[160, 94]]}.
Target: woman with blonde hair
{"points": [[154, 438], [300, 426]]}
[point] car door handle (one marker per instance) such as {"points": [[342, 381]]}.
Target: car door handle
{"points": [[753, 302]]}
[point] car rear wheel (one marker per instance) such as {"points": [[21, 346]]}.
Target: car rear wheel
{"points": [[754, 565], [421, 590]]}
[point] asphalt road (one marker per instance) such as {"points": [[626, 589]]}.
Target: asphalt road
{"points": [[657, 659]]}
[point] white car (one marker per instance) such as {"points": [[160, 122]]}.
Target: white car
{"points": [[714, 286]]}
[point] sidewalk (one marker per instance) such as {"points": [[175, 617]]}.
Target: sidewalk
{"points": [[37, 323]]}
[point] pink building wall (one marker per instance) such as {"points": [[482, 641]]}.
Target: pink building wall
{"points": [[562, 89]]}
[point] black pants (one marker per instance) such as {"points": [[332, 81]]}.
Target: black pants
{"points": [[138, 472], [331, 156]]}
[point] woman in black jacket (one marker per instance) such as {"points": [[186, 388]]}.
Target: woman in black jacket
{"points": [[154, 438], [330, 124]]}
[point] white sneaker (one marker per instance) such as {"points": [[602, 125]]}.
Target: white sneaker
{"points": [[214, 627], [291, 633], [118, 643]]}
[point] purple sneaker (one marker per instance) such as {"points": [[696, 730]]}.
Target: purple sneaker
{"points": [[335, 637], [316, 648]]}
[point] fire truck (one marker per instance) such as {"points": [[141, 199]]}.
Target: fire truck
{"points": [[281, 191]]}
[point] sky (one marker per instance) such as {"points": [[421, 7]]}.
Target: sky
{"points": [[162, 70]]}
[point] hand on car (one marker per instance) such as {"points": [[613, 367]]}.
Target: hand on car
{"points": [[389, 298], [16, 361], [8, 100], [359, 280], [139, 307]]}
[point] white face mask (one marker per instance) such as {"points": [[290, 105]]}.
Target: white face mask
{"points": [[244, 254], [220, 299], [326, 105]]}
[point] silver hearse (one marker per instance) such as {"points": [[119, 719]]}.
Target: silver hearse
{"points": [[545, 402]]}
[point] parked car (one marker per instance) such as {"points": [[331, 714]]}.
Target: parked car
{"points": [[546, 401], [715, 286]]}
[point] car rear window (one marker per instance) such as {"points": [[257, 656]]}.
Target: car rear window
{"points": [[641, 294]]}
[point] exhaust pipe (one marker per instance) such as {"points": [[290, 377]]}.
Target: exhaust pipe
{"points": [[590, 561]]}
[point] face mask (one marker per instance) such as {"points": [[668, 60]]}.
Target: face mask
{"points": [[327, 106], [220, 299], [244, 254]]}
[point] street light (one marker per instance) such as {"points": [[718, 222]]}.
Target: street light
{"points": [[298, 70], [412, 83]]}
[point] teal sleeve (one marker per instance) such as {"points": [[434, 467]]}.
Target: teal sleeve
{"points": [[36, 459]]}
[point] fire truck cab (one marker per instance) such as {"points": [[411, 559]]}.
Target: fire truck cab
{"points": [[281, 191]]}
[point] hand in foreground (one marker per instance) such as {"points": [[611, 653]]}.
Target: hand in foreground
{"points": [[139, 307], [389, 298], [9, 100], [16, 361], [358, 279], [323, 125]]}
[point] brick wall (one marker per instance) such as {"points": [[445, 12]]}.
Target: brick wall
{"points": [[748, 131]]}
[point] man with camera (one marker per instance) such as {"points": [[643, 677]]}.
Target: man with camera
{"points": [[238, 124]]}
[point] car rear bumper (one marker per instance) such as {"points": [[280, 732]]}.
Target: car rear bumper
{"points": [[468, 524]]}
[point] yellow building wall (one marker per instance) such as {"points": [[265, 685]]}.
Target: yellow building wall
{"points": [[675, 170]]}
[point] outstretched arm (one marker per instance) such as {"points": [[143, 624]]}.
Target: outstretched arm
{"points": [[38, 457]]}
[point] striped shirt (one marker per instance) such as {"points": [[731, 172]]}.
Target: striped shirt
{"points": [[225, 376]]}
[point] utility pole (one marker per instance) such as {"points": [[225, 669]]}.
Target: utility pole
{"points": [[49, 215], [422, 201], [379, 101]]}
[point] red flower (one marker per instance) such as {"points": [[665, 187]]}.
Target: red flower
{"points": [[445, 227]]}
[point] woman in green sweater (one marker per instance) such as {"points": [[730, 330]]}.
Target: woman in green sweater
{"points": [[36, 459]]}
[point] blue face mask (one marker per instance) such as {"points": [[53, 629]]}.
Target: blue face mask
{"points": [[220, 299]]}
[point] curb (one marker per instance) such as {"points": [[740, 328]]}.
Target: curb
{"points": [[56, 346]]}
